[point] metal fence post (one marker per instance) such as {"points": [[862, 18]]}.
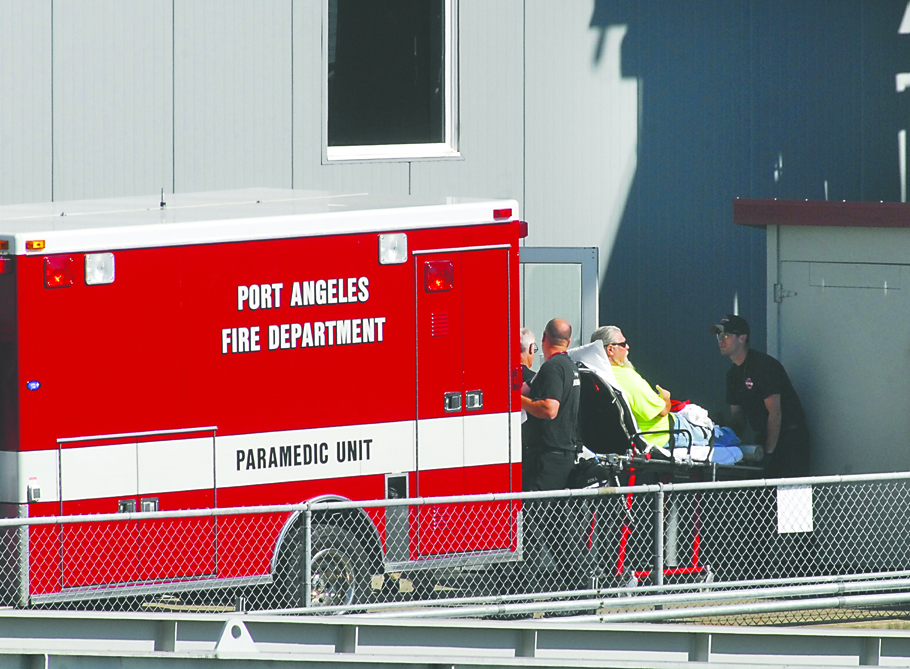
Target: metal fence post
{"points": [[24, 576], [307, 574], [659, 536]]}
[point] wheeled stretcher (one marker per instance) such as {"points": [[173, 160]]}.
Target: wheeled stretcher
{"points": [[608, 429]]}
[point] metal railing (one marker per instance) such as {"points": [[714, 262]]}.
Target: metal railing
{"points": [[646, 552]]}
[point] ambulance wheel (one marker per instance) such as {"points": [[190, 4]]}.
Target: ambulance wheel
{"points": [[338, 574]]}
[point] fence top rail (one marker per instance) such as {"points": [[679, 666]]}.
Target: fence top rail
{"points": [[783, 482], [322, 505]]}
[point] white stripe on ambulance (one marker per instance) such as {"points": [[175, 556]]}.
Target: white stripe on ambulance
{"points": [[174, 465]]}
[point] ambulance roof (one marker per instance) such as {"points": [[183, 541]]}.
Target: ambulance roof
{"points": [[228, 216]]}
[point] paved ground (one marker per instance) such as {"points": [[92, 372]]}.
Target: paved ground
{"points": [[854, 618]]}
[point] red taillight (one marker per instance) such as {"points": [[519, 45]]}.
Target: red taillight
{"points": [[502, 213], [6, 265], [59, 271], [439, 275], [522, 229]]}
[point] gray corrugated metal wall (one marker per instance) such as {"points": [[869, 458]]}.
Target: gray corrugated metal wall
{"points": [[25, 109], [232, 94], [112, 103], [616, 123]]}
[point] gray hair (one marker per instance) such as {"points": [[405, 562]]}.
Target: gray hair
{"points": [[527, 338], [606, 334]]}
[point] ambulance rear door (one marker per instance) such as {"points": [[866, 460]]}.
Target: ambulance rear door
{"points": [[464, 348]]}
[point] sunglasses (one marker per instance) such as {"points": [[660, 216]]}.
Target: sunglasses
{"points": [[624, 344], [532, 349]]}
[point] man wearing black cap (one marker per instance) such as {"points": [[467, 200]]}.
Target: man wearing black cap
{"points": [[759, 391]]}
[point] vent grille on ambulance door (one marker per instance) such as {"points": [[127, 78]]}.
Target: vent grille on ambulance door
{"points": [[439, 324]]}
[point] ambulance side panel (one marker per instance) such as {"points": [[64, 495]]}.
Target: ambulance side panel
{"points": [[177, 342]]}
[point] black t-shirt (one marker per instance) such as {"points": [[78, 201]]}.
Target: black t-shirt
{"points": [[527, 375], [759, 377], [558, 380]]}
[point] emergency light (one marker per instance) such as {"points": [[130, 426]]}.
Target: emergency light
{"points": [[58, 271], [99, 268], [439, 275], [393, 248]]}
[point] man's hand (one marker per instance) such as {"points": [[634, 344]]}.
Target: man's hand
{"points": [[543, 409], [767, 461], [665, 396]]}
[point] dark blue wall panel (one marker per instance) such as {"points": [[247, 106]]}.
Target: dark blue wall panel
{"points": [[760, 99]]}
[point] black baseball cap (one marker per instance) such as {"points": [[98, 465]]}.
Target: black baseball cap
{"points": [[731, 324]]}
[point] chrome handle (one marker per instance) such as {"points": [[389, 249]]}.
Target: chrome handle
{"points": [[126, 506], [473, 400], [452, 402]]}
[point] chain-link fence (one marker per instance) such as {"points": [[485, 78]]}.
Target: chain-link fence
{"points": [[599, 551]]}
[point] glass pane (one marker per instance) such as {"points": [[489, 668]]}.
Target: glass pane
{"points": [[386, 72], [551, 291]]}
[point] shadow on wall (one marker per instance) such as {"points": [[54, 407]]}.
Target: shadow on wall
{"points": [[759, 99]]}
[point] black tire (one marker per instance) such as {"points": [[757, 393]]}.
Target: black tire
{"points": [[338, 572]]}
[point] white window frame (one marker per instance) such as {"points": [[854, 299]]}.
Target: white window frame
{"points": [[400, 152]]}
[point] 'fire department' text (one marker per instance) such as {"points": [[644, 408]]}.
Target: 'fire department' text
{"points": [[304, 335]]}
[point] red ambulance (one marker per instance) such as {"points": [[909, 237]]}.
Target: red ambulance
{"points": [[248, 348]]}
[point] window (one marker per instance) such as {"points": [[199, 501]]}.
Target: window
{"points": [[390, 79]]}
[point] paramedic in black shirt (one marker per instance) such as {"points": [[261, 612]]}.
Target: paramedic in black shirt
{"points": [[759, 392], [552, 409], [553, 536]]}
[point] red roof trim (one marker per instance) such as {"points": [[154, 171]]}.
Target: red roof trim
{"points": [[761, 213]]}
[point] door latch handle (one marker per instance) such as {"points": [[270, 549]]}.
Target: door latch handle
{"points": [[126, 506], [452, 402], [473, 400]]}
